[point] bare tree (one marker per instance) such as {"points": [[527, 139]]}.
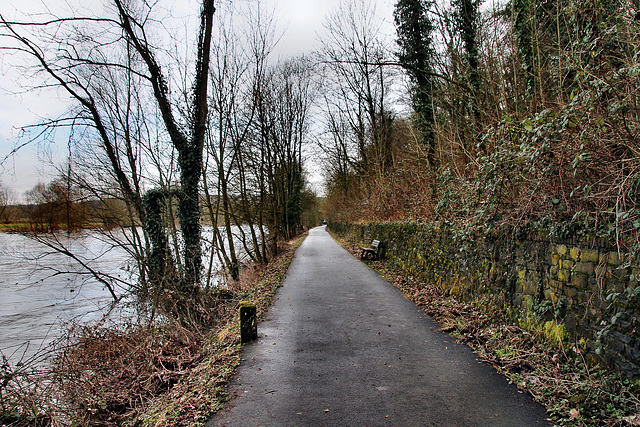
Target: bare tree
{"points": [[108, 60], [6, 199], [57, 204], [238, 66], [358, 74]]}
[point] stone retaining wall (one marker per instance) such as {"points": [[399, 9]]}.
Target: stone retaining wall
{"points": [[585, 285]]}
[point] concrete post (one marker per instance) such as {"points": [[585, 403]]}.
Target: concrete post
{"points": [[248, 322]]}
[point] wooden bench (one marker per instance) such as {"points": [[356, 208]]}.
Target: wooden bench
{"points": [[373, 252]]}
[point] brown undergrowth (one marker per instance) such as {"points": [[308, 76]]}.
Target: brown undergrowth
{"points": [[553, 370], [161, 374]]}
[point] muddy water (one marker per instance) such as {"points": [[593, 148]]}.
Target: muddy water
{"points": [[42, 290]]}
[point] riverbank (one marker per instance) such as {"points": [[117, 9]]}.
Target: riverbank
{"points": [[157, 374], [531, 355]]}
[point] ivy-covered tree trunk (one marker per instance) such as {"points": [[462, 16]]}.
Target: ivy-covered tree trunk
{"points": [[522, 22], [189, 214], [466, 20], [414, 29], [159, 262], [188, 142]]}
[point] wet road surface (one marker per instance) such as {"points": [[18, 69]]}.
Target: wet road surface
{"points": [[342, 347]]}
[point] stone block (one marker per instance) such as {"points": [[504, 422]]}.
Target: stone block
{"points": [[555, 285], [579, 280], [561, 250], [623, 325], [568, 264], [553, 271], [629, 316], [629, 370], [589, 255], [585, 268], [593, 312], [585, 331], [616, 286], [564, 275], [550, 295], [620, 273], [570, 323], [611, 258], [614, 343], [522, 273], [517, 300], [555, 259], [570, 292], [530, 288], [633, 354], [574, 253], [548, 258], [584, 297], [527, 302], [623, 338]]}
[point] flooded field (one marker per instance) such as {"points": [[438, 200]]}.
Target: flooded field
{"points": [[42, 290]]}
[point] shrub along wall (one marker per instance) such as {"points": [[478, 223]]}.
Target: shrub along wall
{"points": [[587, 286]]}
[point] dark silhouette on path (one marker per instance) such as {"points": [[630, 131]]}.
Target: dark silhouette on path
{"points": [[343, 347]]}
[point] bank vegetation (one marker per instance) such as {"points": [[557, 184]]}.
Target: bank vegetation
{"points": [[520, 116]]}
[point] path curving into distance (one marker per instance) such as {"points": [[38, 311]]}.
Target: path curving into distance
{"points": [[341, 346]]}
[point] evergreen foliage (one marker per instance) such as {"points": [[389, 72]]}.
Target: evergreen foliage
{"points": [[415, 29], [549, 90]]}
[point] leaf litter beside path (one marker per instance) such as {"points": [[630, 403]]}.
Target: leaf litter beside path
{"points": [[164, 374], [574, 391], [202, 391]]}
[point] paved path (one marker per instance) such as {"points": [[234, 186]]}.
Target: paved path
{"points": [[343, 347]]}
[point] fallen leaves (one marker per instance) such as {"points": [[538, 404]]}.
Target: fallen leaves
{"points": [[574, 414], [573, 392]]}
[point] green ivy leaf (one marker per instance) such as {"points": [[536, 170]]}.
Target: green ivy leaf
{"points": [[528, 125]]}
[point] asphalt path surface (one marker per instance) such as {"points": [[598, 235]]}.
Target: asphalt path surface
{"points": [[341, 346]]}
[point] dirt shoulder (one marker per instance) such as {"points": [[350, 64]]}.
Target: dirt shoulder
{"points": [[202, 391]]}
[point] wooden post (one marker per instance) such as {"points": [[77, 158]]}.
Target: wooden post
{"points": [[248, 322]]}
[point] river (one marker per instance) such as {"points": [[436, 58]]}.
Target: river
{"points": [[43, 291]]}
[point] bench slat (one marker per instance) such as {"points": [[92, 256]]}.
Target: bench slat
{"points": [[373, 251]]}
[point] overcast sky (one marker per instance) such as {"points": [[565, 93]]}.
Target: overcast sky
{"points": [[301, 21]]}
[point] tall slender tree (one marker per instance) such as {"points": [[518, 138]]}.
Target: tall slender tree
{"points": [[466, 16], [414, 30], [88, 58], [188, 142]]}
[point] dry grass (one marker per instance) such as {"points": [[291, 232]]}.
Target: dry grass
{"points": [[165, 373]]}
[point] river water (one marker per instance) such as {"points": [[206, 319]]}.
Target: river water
{"points": [[42, 291]]}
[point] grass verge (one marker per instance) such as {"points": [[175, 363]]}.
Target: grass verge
{"points": [[533, 354], [201, 393], [157, 374]]}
